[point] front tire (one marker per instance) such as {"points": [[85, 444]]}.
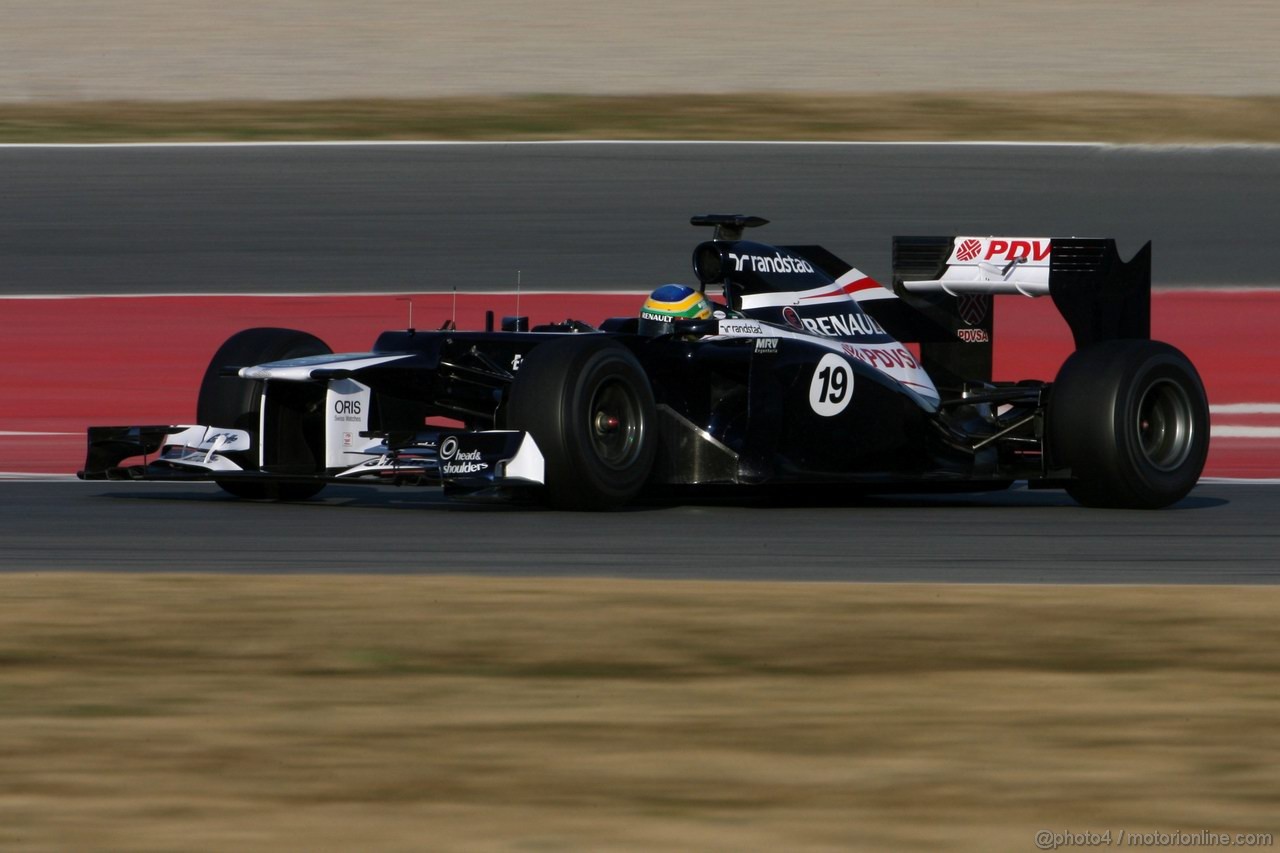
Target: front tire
{"points": [[231, 401], [588, 404], [1131, 420]]}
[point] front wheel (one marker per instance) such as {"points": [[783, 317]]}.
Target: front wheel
{"points": [[1131, 420], [588, 404], [230, 401]]}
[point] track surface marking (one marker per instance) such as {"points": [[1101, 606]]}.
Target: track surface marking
{"points": [[120, 360]]}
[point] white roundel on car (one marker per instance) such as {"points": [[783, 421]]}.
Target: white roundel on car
{"points": [[831, 387]]}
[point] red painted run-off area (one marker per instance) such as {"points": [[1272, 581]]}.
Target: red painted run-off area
{"points": [[69, 363]]}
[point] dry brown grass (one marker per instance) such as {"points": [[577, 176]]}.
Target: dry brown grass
{"points": [[1069, 116], [341, 713]]}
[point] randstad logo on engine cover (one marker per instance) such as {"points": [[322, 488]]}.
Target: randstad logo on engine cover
{"points": [[777, 262]]}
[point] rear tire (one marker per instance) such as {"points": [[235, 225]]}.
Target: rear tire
{"points": [[1131, 420], [588, 404], [230, 401]]}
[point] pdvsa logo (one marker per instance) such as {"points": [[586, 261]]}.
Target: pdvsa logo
{"points": [[972, 307], [1034, 250], [969, 250], [792, 318]]}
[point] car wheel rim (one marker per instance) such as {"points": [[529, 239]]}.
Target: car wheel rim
{"points": [[1165, 425], [616, 426]]}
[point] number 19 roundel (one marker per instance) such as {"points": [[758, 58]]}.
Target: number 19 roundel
{"points": [[831, 387]]}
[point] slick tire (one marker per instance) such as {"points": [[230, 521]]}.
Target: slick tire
{"points": [[588, 405], [1131, 420], [235, 402]]}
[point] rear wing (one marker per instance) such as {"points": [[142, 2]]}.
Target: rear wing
{"points": [[946, 285]]}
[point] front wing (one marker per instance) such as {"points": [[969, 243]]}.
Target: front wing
{"points": [[468, 459]]}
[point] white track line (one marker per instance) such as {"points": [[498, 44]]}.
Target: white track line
{"points": [[1244, 432], [6, 433], [1239, 481], [1244, 409], [37, 478], [1220, 430]]}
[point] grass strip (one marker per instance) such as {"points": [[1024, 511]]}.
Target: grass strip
{"points": [[1068, 116], [169, 712]]}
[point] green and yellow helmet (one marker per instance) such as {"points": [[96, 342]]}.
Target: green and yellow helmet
{"points": [[669, 303]]}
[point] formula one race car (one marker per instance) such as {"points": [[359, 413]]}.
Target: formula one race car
{"points": [[799, 377]]}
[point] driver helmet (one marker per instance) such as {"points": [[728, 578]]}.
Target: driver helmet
{"points": [[669, 303]]}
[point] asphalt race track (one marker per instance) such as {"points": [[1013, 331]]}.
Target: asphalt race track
{"points": [[389, 218], [591, 216], [1219, 534]]}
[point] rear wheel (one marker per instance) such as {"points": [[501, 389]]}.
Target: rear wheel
{"points": [[1131, 420], [231, 401], [587, 403]]}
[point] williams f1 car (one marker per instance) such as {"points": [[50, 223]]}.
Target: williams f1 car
{"points": [[807, 373]]}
